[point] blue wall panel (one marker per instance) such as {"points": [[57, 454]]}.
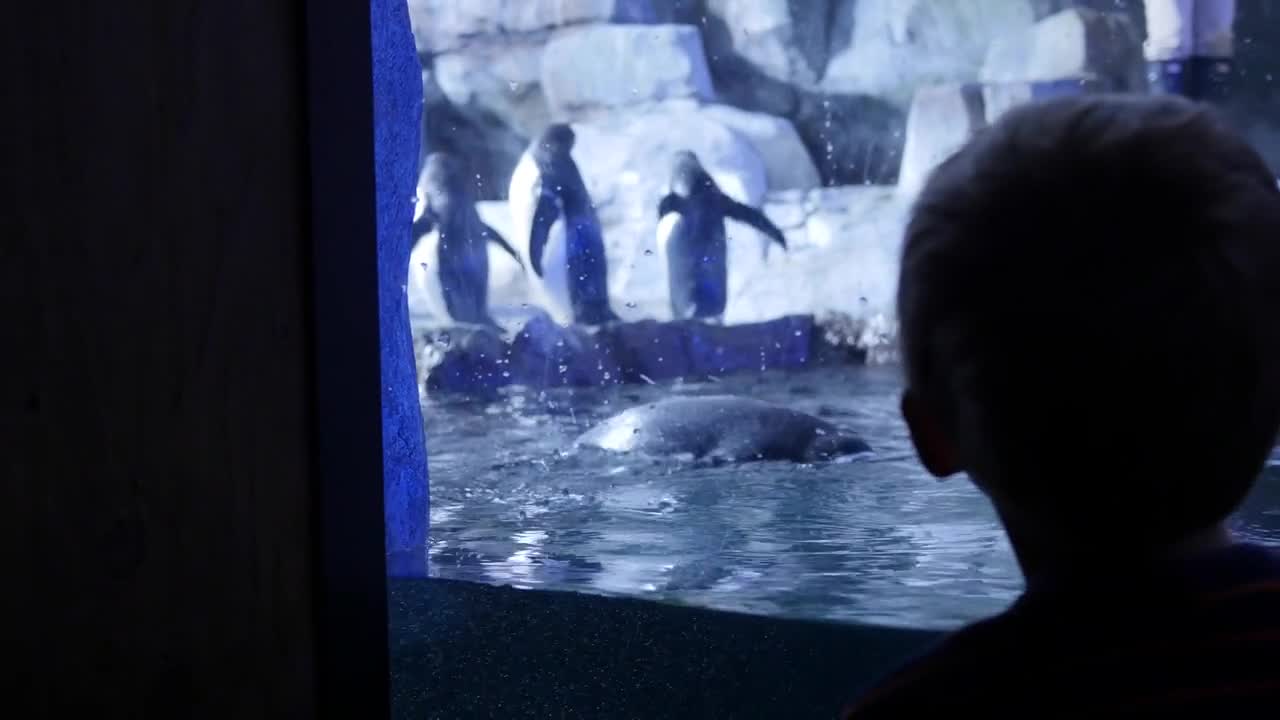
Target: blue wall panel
{"points": [[397, 112]]}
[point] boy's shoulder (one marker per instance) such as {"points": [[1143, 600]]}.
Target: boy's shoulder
{"points": [[1113, 646], [948, 675]]}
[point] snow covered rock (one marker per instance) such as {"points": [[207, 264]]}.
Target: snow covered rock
{"points": [[610, 66], [500, 80], [440, 25], [785, 40], [1074, 43], [888, 48], [843, 258], [941, 120]]}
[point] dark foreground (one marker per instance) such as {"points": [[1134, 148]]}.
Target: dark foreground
{"points": [[462, 650]]}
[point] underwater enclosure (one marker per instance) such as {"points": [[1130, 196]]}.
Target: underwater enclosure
{"points": [[622, 203]]}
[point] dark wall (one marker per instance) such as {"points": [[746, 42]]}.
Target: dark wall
{"points": [[155, 506]]}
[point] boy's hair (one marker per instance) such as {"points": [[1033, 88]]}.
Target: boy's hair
{"points": [[1090, 301]]}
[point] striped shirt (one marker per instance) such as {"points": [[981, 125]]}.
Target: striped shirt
{"points": [[1199, 640]]}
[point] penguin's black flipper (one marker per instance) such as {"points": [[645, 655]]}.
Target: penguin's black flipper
{"points": [[543, 217], [670, 203], [423, 225], [493, 237], [756, 219]]}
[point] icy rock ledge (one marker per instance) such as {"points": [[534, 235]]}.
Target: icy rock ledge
{"points": [[543, 354]]}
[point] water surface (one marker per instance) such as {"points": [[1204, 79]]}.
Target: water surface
{"points": [[874, 540]]}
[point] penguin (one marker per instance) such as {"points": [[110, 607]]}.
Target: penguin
{"points": [[558, 232], [691, 239], [449, 264]]}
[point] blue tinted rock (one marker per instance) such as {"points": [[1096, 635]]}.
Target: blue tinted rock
{"points": [[546, 354], [650, 351], [472, 362], [782, 344]]}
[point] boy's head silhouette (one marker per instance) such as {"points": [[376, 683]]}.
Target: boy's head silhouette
{"points": [[1090, 309]]}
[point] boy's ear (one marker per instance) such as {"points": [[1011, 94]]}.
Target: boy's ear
{"points": [[936, 450]]}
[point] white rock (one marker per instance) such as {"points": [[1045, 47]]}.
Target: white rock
{"points": [[783, 39], [787, 163], [941, 120], [609, 66], [1073, 43], [844, 258], [502, 79], [1002, 97], [891, 47], [440, 25]]}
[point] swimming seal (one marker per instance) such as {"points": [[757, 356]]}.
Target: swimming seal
{"points": [[724, 427]]}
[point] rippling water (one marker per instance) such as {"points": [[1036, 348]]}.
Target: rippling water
{"points": [[874, 540]]}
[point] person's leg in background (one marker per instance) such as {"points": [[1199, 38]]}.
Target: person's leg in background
{"points": [[1168, 45], [1213, 49], [1189, 47]]}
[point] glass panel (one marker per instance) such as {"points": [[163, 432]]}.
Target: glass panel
{"points": [[672, 227]]}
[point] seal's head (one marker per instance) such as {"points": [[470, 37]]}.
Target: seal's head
{"points": [[831, 443]]}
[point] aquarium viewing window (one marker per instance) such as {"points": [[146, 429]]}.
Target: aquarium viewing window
{"points": [[627, 208], [634, 272]]}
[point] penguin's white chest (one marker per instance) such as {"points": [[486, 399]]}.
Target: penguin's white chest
{"points": [[551, 290], [426, 294], [668, 227]]}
